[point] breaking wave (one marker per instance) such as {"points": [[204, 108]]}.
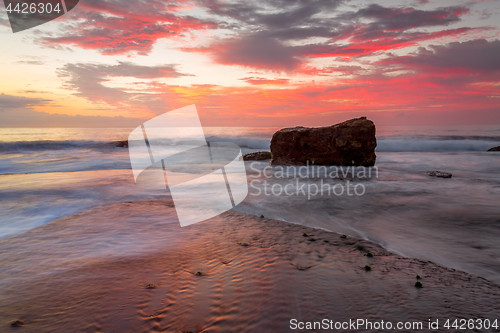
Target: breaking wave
{"points": [[385, 144]]}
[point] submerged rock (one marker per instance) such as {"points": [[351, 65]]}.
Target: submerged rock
{"points": [[121, 144], [439, 174], [352, 142], [258, 156], [494, 149], [17, 323]]}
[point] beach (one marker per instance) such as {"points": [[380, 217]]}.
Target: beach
{"points": [[233, 273], [84, 249]]}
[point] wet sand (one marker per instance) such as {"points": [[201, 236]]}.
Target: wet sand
{"points": [[233, 273]]}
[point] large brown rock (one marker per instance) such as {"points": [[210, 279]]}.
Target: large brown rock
{"points": [[349, 143]]}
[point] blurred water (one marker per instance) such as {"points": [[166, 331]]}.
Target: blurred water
{"points": [[454, 222], [46, 174]]}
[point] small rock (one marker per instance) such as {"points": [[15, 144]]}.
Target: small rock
{"points": [[439, 174], [121, 144], [258, 156], [418, 284], [343, 236], [495, 149], [17, 323]]}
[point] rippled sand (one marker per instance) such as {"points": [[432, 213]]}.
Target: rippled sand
{"points": [[233, 273]]}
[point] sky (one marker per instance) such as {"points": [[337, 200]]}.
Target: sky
{"points": [[117, 63]]}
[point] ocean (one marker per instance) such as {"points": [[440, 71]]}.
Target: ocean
{"points": [[47, 175]]}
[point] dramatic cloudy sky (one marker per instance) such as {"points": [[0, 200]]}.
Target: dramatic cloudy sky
{"points": [[259, 63]]}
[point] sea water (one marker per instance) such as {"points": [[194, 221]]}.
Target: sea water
{"points": [[49, 174]]}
